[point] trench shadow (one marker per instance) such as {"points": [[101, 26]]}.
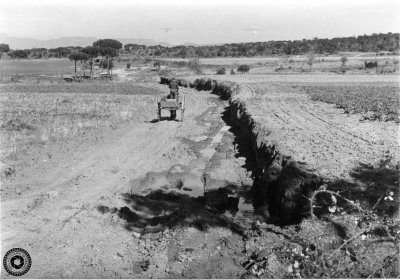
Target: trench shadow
{"points": [[242, 143], [162, 208]]}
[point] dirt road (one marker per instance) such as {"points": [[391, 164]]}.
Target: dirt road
{"points": [[75, 221]]}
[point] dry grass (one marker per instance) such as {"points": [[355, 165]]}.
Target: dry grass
{"points": [[36, 118]]}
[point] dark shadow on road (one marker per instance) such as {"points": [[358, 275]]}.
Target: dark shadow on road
{"points": [[161, 209], [162, 119]]}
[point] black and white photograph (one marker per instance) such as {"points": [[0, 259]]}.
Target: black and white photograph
{"points": [[181, 139]]}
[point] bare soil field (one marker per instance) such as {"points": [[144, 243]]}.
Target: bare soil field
{"points": [[94, 186], [290, 65], [314, 132]]}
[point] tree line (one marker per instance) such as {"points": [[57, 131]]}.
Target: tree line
{"points": [[388, 42]]}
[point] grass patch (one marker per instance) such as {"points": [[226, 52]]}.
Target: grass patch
{"points": [[31, 118], [128, 88]]}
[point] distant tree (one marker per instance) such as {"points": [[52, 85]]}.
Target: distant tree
{"points": [[19, 54], [108, 43], [61, 51], [344, 60], [92, 52], [157, 65], [108, 52], [38, 52], [4, 48], [310, 59], [78, 56], [107, 63], [243, 68], [221, 71], [195, 65]]}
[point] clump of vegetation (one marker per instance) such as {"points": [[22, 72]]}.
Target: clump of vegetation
{"points": [[106, 63], [157, 65], [344, 60], [128, 65], [244, 68], [370, 64], [195, 65], [221, 71], [4, 48], [19, 54], [310, 59]]}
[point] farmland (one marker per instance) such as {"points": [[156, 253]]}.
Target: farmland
{"points": [[96, 187], [378, 101], [36, 66]]}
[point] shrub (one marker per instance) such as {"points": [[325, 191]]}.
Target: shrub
{"points": [[344, 60], [370, 64], [221, 71], [243, 68], [195, 65], [157, 65], [106, 64], [310, 59]]}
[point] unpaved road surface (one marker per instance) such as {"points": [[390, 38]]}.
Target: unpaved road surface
{"points": [[91, 215]]}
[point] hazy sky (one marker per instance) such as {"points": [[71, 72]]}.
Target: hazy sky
{"points": [[216, 21]]}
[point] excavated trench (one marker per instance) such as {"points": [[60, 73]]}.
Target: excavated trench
{"points": [[235, 177], [280, 185]]}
